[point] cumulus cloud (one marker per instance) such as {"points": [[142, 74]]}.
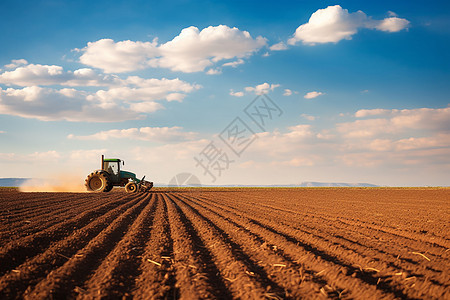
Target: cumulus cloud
{"points": [[215, 71], [159, 134], [48, 104], [287, 92], [115, 99], [312, 95], [15, 63], [422, 118], [236, 94], [441, 140], [234, 64], [191, 51], [118, 57], [396, 120], [262, 89], [392, 24], [35, 74], [140, 89], [278, 47], [333, 24], [110, 105], [308, 117], [371, 112]]}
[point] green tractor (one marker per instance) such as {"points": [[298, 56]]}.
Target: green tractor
{"points": [[111, 175]]}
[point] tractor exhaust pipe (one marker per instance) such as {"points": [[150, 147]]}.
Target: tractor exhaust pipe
{"points": [[103, 160]]}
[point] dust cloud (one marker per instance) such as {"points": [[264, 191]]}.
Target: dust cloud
{"points": [[55, 183]]}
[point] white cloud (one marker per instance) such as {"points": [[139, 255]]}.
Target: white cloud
{"points": [[175, 97], [391, 14], [312, 95], [30, 75], [191, 51], [234, 64], [115, 99], [391, 123], [15, 63], [146, 107], [333, 24], [139, 89], [392, 24], [299, 131], [118, 57], [362, 113], [287, 92], [48, 104], [215, 71], [236, 94], [396, 119], [278, 47], [308, 117], [441, 140], [261, 89], [159, 134]]}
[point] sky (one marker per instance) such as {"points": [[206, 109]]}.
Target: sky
{"points": [[235, 92]]}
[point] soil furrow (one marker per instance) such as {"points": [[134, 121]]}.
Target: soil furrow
{"points": [[352, 261], [156, 274], [66, 280], [196, 273], [14, 282], [245, 278], [16, 252], [114, 278], [41, 221], [388, 263], [329, 267], [296, 281]]}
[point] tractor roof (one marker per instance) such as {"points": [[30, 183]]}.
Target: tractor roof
{"points": [[112, 160]]}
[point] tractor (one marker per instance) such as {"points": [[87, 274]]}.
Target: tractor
{"points": [[111, 175]]}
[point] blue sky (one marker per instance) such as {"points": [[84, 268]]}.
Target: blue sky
{"points": [[362, 89]]}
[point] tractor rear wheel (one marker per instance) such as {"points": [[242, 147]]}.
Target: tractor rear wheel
{"points": [[131, 187], [98, 181]]}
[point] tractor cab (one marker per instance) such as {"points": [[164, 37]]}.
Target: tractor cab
{"points": [[112, 166]]}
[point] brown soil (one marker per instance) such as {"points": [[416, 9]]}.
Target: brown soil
{"points": [[339, 243]]}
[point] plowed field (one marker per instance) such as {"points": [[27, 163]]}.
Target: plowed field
{"points": [[340, 243]]}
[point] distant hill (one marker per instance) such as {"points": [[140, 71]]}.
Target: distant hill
{"points": [[12, 181]]}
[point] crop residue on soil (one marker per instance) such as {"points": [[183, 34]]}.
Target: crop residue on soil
{"points": [[340, 243]]}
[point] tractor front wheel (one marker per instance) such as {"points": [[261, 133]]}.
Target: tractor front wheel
{"points": [[131, 187], [98, 181]]}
